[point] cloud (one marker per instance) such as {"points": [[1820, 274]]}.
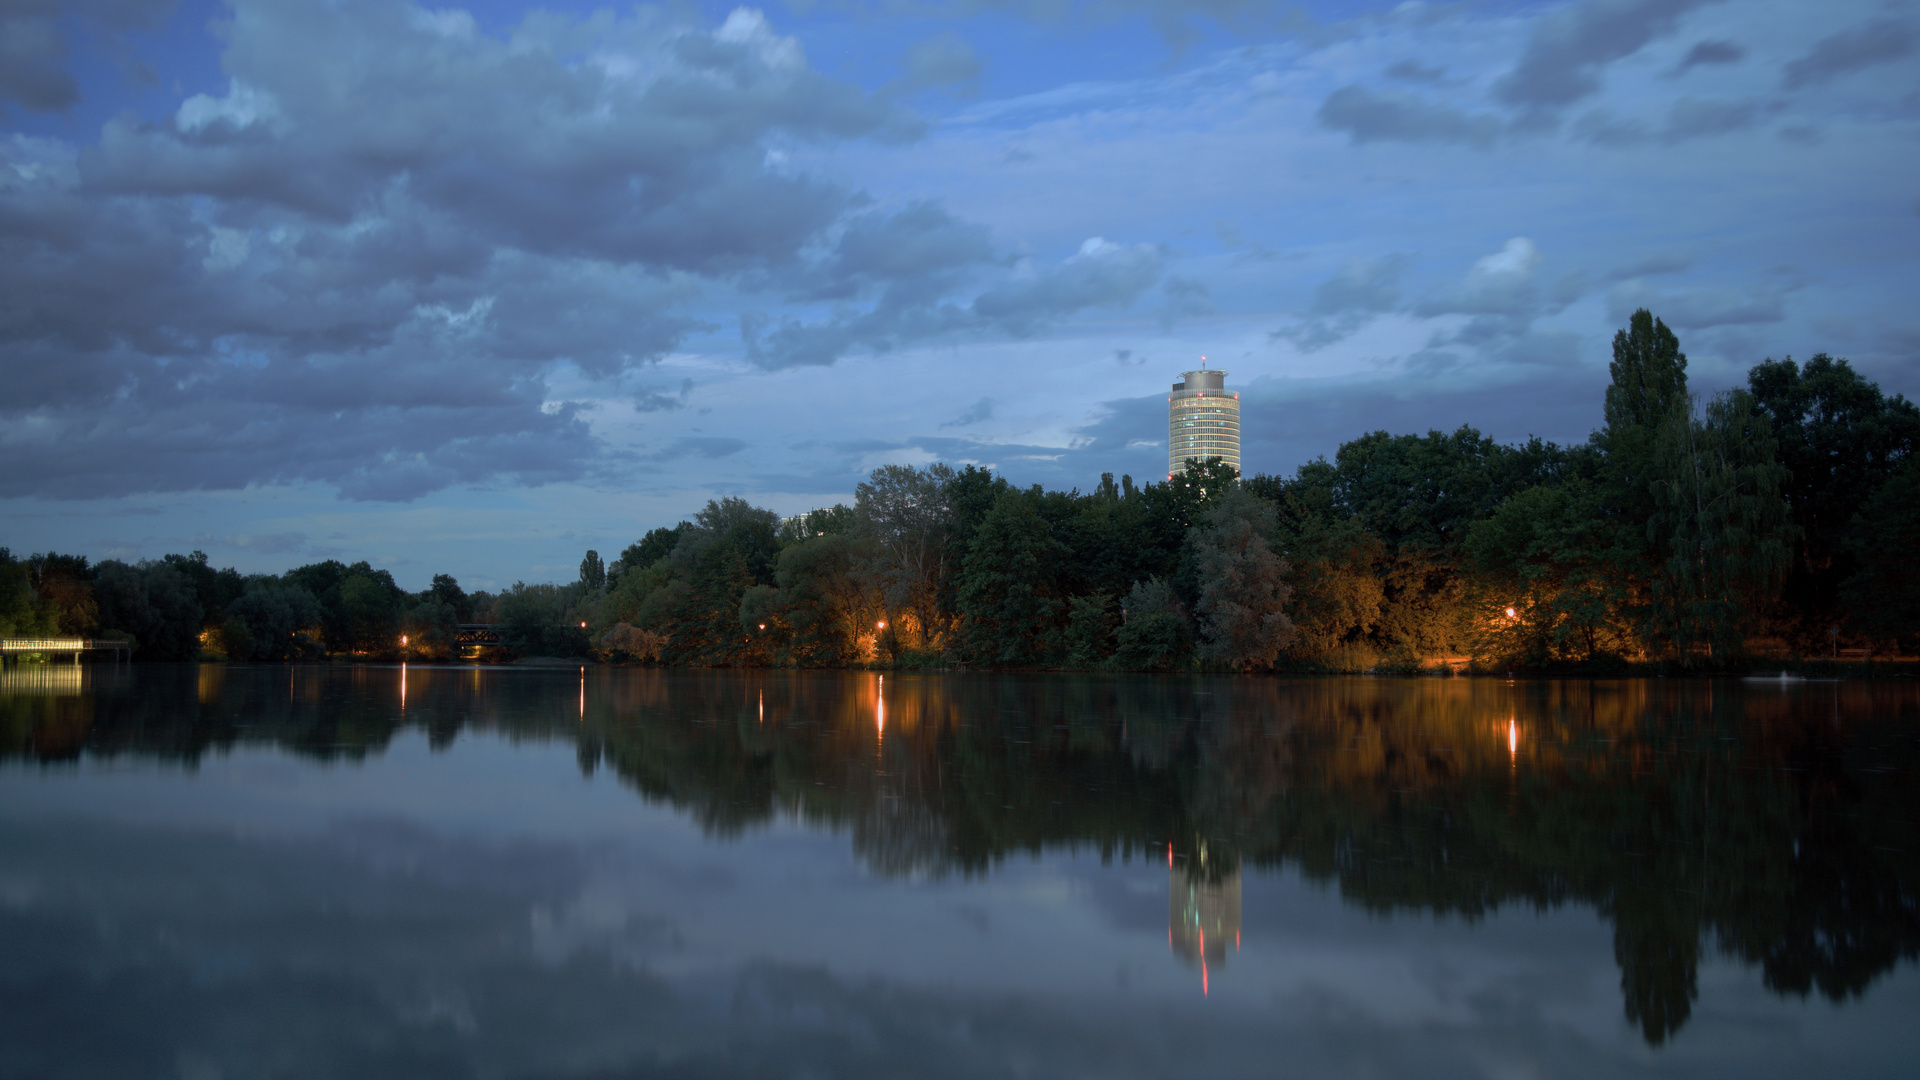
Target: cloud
{"points": [[698, 446], [1696, 309], [920, 303], [1570, 48], [1710, 53], [1879, 42], [1186, 298], [363, 275], [978, 411], [1693, 118], [1413, 71], [1348, 300], [1499, 284], [942, 60], [1102, 274], [1664, 262], [33, 56], [660, 401], [1370, 117], [34, 50], [268, 544]]}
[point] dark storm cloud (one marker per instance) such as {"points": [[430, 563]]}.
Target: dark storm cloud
{"points": [[1879, 42], [1570, 48], [1367, 116], [362, 275]]}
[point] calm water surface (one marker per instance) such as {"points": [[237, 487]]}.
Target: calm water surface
{"points": [[213, 872]]}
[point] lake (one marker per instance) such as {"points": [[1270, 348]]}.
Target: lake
{"points": [[238, 872]]}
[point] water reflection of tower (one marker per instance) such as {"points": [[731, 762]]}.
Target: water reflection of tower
{"points": [[1203, 913]]}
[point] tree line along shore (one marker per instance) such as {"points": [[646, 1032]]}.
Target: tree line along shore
{"points": [[1775, 521]]}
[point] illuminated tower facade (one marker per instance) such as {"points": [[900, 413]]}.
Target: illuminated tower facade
{"points": [[1203, 420]]}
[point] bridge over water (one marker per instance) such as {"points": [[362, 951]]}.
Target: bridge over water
{"points": [[12, 650]]}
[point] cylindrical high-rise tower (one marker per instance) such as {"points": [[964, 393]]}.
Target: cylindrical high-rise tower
{"points": [[1203, 420]]}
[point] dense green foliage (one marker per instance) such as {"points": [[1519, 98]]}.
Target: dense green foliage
{"points": [[1777, 519]]}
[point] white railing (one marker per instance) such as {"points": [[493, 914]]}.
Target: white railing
{"points": [[59, 644]]}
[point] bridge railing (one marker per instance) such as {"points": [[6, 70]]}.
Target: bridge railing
{"points": [[61, 644], [11, 649]]}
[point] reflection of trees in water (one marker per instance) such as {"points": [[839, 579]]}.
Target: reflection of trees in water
{"points": [[1778, 826]]}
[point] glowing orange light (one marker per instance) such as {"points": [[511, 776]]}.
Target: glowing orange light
{"points": [[1512, 614], [403, 639], [1513, 738], [583, 626], [881, 625], [763, 626], [1203, 962]]}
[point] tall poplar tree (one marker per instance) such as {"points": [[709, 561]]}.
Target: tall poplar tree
{"points": [[1649, 384], [1648, 390]]}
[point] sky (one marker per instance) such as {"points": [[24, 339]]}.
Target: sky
{"points": [[471, 289]]}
